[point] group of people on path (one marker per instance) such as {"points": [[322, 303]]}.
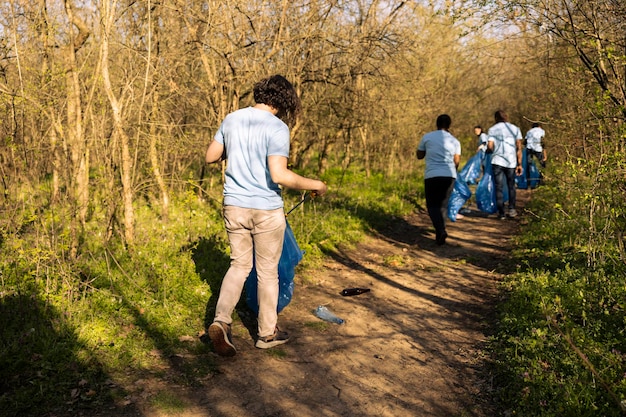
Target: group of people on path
{"points": [[442, 152], [256, 142]]}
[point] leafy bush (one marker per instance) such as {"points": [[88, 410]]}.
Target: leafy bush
{"points": [[560, 343]]}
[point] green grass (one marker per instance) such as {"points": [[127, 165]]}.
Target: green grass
{"points": [[318, 326], [76, 333], [560, 343], [276, 353], [168, 402]]}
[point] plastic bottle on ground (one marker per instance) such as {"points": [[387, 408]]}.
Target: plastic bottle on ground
{"points": [[325, 314]]}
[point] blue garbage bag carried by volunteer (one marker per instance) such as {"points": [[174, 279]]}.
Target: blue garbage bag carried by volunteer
{"points": [[521, 181], [534, 176], [460, 194], [472, 168], [486, 189], [289, 259]]}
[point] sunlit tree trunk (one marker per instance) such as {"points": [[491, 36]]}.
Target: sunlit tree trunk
{"points": [[365, 149], [46, 63], [126, 161], [154, 158], [348, 150], [153, 131], [78, 149]]}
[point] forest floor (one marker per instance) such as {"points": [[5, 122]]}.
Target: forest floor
{"points": [[412, 346]]}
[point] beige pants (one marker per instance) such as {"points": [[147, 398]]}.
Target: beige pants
{"points": [[258, 232]]}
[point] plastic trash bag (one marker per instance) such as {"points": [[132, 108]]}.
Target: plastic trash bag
{"points": [[486, 189], [534, 176], [460, 194], [289, 259], [472, 168]]}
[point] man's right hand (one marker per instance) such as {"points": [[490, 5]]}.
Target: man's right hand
{"points": [[320, 191]]}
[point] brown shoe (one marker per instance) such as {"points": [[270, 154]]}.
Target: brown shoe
{"points": [[278, 338], [221, 337]]}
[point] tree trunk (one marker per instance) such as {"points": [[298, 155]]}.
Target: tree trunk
{"points": [[126, 163], [153, 39], [46, 64], [347, 156], [154, 159], [77, 146], [366, 151]]}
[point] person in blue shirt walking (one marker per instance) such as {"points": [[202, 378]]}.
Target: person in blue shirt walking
{"points": [[481, 137], [442, 153], [255, 141], [534, 146], [505, 143]]}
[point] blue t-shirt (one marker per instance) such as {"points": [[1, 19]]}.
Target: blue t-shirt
{"points": [[440, 147], [249, 136], [533, 139], [504, 137], [482, 139]]}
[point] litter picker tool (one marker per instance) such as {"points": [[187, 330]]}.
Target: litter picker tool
{"points": [[306, 197]]}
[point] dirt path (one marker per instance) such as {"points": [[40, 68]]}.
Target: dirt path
{"points": [[410, 347]]}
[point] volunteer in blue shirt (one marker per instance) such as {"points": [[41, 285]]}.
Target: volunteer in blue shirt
{"points": [[255, 142], [505, 143], [534, 146], [442, 153], [481, 138]]}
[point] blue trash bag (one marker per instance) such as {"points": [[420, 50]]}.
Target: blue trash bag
{"points": [[289, 259], [534, 176], [472, 168], [486, 189], [521, 181], [460, 194]]}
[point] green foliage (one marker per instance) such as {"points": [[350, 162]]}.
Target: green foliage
{"points": [[560, 344], [74, 330], [355, 204], [43, 362], [103, 314], [562, 335]]}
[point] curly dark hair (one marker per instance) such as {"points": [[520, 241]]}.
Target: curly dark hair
{"points": [[277, 92], [501, 116]]}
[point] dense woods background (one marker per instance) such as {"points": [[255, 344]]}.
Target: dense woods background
{"points": [[105, 103], [106, 108]]}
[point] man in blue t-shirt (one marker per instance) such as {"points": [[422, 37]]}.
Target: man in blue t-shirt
{"points": [[534, 145], [256, 143], [443, 153], [505, 142]]}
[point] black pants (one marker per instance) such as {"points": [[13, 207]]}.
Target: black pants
{"points": [[539, 155], [438, 190], [504, 176]]}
